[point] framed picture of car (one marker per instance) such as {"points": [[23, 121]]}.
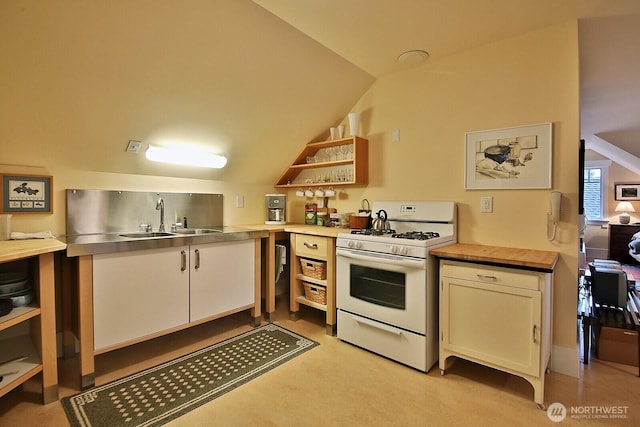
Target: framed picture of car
{"points": [[26, 194]]}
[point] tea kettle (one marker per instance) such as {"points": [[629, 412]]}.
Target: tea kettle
{"points": [[380, 223]]}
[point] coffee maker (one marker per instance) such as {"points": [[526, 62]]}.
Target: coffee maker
{"points": [[276, 205]]}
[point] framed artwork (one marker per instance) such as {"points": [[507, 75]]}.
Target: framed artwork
{"points": [[517, 157], [26, 194], [627, 191]]}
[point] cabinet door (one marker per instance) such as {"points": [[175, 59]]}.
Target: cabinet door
{"points": [[139, 293], [496, 324], [222, 278]]}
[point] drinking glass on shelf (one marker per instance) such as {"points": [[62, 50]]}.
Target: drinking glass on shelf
{"points": [[311, 159], [344, 149], [350, 151], [332, 153]]}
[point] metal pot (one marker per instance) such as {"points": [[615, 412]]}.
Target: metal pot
{"points": [[380, 223]]}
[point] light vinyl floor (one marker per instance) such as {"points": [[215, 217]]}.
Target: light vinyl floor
{"points": [[338, 384]]}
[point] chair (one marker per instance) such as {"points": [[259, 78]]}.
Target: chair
{"points": [[609, 286]]}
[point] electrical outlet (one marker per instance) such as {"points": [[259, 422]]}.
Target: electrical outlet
{"points": [[486, 204], [239, 201]]}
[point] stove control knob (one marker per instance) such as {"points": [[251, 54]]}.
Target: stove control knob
{"points": [[394, 249], [351, 244], [404, 251], [359, 245]]}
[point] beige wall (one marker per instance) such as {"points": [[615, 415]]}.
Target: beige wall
{"points": [[524, 80]]}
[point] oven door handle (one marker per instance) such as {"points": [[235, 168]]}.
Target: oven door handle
{"points": [[376, 325], [403, 262]]}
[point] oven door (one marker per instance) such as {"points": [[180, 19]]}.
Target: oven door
{"points": [[387, 288]]}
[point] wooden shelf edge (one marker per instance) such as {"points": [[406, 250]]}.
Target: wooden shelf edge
{"points": [[313, 280], [320, 184], [19, 315], [303, 300], [322, 164]]}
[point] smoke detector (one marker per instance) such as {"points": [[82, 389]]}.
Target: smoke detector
{"points": [[413, 57]]}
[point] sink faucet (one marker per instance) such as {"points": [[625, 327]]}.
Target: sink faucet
{"points": [[160, 207]]}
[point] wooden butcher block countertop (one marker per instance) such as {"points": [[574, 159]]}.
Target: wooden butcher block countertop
{"points": [[314, 230], [526, 258], [11, 250]]}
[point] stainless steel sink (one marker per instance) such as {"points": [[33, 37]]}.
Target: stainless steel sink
{"points": [[142, 235], [196, 231]]}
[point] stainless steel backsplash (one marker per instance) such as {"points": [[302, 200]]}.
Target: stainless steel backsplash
{"points": [[105, 211]]}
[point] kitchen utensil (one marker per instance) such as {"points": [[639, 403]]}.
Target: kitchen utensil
{"points": [[13, 282], [24, 299], [5, 307], [358, 221], [380, 223]]}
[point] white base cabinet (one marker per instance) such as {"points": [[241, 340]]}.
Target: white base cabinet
{"points": [[497, 316], [222, 278], [141, 294]]}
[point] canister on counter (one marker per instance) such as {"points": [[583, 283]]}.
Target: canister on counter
{"points": [[322, 218], [310, 213], [5, 227]]}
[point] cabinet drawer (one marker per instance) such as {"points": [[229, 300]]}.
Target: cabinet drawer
{"points": [[311, 246], [495, 275]]}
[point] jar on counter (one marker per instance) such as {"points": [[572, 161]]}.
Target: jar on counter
{"points": [[322, 218]]}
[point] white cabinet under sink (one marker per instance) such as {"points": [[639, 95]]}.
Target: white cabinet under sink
{"points": [[141, 294], [222, 278]]}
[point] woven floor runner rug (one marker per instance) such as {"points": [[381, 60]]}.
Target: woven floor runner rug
{"points": [[158, 395]]}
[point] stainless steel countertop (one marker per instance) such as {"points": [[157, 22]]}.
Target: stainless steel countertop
{"points": [[92, 244]]}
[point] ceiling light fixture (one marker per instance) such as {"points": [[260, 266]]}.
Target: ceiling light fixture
{"points": [[180, 156], [413, 57]]}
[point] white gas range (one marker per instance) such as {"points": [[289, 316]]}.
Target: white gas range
{"points": [[386, 281]]}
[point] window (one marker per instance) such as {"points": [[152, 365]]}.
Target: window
{"points": [[595, 189]]}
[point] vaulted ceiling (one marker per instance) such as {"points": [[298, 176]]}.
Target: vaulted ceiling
{"points": [[372, 34]]}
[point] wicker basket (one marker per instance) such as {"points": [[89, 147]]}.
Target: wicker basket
{"points": [[315, 293], [315, 269]]}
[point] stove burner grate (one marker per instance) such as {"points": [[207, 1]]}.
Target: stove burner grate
{"points": [[416, 235], [373, 232]]}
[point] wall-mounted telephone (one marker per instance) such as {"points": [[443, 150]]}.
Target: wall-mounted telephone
{"points": [[555, 208]]}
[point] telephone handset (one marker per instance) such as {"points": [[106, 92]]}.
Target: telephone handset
{"points": [[555, 204]]}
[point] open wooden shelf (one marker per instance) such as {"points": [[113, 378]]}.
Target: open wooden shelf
{"points": [[358, 163]]}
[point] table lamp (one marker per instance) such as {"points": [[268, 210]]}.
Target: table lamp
{"points": [[625, 208]]}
